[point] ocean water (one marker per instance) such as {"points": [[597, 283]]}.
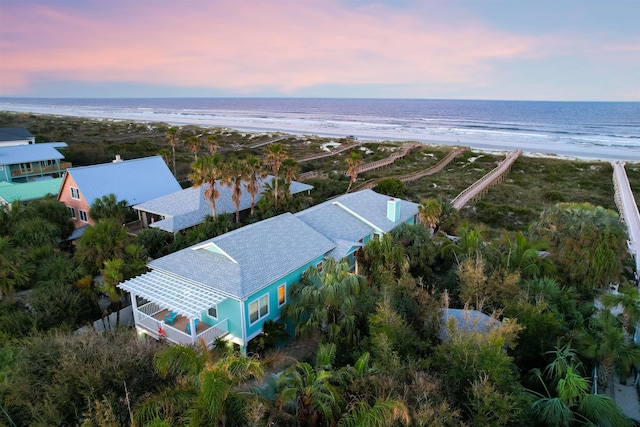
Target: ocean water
{"points": [[590, 130]]}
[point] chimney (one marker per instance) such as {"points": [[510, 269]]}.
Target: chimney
{"points": [[393, 210], [118, 159]]}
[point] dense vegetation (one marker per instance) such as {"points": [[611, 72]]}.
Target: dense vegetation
{"points": [[385, 354]]}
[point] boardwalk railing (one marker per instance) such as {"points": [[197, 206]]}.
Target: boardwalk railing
{"points": [[330, 153], [389, 160], [478, 188], [628, 210], [419, 174]]}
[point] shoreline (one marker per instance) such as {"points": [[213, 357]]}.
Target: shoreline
{"points": [[602, 154]]}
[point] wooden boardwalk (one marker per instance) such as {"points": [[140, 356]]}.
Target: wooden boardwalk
{"points": [[389, 160], [413, 176], [628, 209], [331, 153], [480, 187]]}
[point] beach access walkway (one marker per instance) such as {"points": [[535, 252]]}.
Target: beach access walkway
{"points": [[413, 176], [628, 210], [331, 153], [626, 395], [481, 186], [270, 141]]}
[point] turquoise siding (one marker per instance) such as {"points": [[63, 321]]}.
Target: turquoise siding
{"points": [[411, 221], [272, 291], [227, 309]]}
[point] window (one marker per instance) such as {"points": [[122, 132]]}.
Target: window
{"points": [[282, 294], [83, 216], [319, 267], [75, 193], [213, 312], [73, 212], [259, 308]]}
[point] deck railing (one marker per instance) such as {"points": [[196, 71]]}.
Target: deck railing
{"points": [[211, 334], [144, 318]]}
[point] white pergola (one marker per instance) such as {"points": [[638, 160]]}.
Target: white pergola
{"points": [[174, 293]]}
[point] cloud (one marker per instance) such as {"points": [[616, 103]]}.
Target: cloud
{"points": [[247, 46], [284, 47]]}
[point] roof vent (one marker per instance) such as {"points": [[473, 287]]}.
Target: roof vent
{"points": [[118, 159]]}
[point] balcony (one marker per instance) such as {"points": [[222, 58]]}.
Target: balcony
{"points": [[150, 317], [40, 170]]}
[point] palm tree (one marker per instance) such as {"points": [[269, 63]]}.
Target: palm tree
{"points": [[207, 391], [193, 143], [588, 243], [429, 212], [291, 169], [106, 240], [108, 206], [207, 170], [172, 139], [311, 393], [354, 162], [112, 274], [275, 155], [566, 400], [255, 175], [324, 301], [628, 299], [14, 271], [383, 413], [212, 144], [233, 175], [526, 256]]}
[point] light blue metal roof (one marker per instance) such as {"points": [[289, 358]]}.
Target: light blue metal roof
{"points": [[189, 207], [14, 154], [30, 190], [468, 320], [135, 181], [256, 256]]}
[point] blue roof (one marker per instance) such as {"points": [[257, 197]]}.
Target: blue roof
{"points": [[135, 181], [372, 207], [14, 134], [189, 207], [30, 153], [250, 258], [468, 320]]}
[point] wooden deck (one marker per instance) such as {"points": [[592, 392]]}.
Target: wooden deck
{"points": [[181, 322]]}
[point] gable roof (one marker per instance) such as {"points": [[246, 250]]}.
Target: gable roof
{"points": [[189, 207], [14, 134], [243, 261], [30, 153], [372, 208], [10, 193], [135, 181]]}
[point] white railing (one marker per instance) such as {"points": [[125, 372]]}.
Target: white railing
{"points": [[218, 330], [491, 178], [148, 322], [149, 308]]}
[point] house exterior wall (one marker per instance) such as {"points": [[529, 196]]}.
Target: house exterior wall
{"points": [[228, 309], [77, 204], [272, 292]]}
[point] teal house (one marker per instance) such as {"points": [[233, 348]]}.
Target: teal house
{"points": [[228, 286]]}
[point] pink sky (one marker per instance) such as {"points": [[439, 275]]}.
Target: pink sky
{"points": [[427, 49]]}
